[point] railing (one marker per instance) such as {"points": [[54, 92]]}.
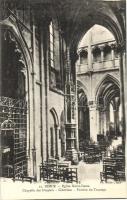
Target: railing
{"points": [[106, 64]]}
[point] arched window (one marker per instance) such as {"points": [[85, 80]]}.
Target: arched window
{"points": [[51, 30], [55, 49]]}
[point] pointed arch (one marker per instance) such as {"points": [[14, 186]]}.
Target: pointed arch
{"points": [[55, 116], [8, 124], [11, 25], [81, 86], [107, 78]]}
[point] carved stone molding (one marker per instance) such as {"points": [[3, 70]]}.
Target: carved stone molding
{"points": [[10, 39]]}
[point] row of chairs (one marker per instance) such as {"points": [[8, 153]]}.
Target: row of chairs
{"points": [[54, 171], [92, 154], [113, 168]]}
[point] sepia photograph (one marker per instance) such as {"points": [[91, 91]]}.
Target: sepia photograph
{"points": [[63, 99]]}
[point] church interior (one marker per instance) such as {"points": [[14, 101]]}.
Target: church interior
{"points": [[63, 79]]}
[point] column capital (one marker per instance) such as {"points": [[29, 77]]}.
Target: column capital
{"points": [[92, 105], [95, 48], [113, 46], [102, 47], [121, 47], [57, 127]]}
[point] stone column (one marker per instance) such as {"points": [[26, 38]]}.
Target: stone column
{"points": [[90, 66], [107, 120], [102, 55], [123, 88], [57, 156], [93, 122], [97, 121], [45, 91], [116, 121], [79, 59], [76, 115], [101, 121], [113, 54], [54, 141], [33, 99], [70, 105]]}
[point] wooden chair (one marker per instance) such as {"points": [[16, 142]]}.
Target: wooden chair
{"points": [[71, 175]]}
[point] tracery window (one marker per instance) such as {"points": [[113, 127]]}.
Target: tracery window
{"points": [[51, 45], [55, 50]]}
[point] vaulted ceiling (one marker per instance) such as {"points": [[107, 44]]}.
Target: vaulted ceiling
{"points": [[75, 17]]}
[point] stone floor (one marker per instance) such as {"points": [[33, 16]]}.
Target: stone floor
{"points": [[88, 172], [88, 176]]}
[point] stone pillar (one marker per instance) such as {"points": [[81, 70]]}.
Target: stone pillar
{"points": [[97, 121], [79, 59], [107, 120], [123, 86], [33, 90], [57, 156], [113, 54], [124, 101], [54, 141], [101, 121], [102, 54], [93, 122], [70, 109], [116, 121], [45, 91], [90, 52], [76, 116]]}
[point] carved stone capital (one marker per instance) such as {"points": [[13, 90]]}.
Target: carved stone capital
{"points": [[121, 47], [113, 46], [101, 47]]}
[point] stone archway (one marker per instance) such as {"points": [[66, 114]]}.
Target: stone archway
{"points": [[62, 134], [108, 93], [54, 133], [13, 99], [83, 119]]}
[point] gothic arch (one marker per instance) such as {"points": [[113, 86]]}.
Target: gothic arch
{"points": [[82, 87], [8, 124], [10, 24], [107, 77], [111, 22], [13, 27], [55, 116]]}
